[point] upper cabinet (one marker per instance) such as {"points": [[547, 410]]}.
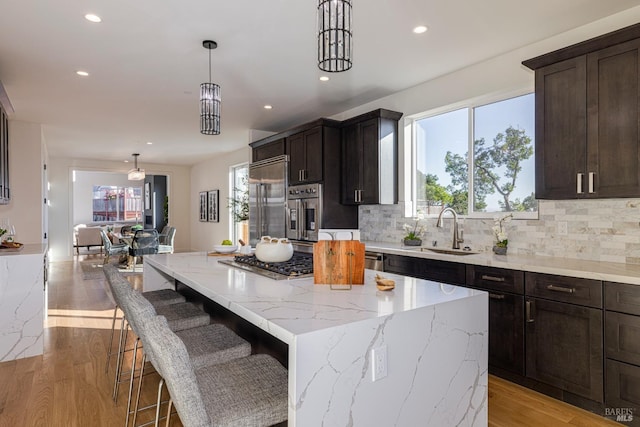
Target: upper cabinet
{"points": [[305, 150], [588, 118], [268, 150], [369, 158]]}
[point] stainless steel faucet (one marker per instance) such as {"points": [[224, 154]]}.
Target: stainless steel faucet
{"points": [[457, 237]]}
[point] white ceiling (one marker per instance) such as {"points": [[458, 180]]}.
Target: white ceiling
{"points": [[146, 62]]}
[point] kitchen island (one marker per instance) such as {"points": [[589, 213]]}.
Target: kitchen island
{"points": [[22, 302], [430, 340]]}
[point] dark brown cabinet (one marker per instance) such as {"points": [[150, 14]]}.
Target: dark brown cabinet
{"points": [[563, 339], [622, 347], [428, 269], [268, 150], [305, 150], [506, 314], [369, 158], [588, 118]]}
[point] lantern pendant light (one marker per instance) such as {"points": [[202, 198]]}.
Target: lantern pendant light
{"points": [[209, 100], [335, 46]]}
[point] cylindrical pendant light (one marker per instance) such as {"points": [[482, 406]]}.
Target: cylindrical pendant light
{"points": [[209, 100], [335, 47]]}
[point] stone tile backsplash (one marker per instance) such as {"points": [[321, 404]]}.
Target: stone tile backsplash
{"points": [[597, 230]]}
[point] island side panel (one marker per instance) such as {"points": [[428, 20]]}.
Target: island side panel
{"points": [[437, 370], [154, 279], [22, 309]]}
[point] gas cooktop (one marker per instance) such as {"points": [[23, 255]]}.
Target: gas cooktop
{"points": [[299, 266]]}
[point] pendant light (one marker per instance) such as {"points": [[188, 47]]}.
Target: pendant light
{"points": [[209, 100], [335, 45], [135, 174]]}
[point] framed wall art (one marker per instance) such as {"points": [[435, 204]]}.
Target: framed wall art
{"points": [[147, 195], [212, 210], [203, 206]]}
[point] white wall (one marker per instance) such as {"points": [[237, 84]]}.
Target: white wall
{"points": [[213, 175], [83, 191], [61, 200], [25, 182]]}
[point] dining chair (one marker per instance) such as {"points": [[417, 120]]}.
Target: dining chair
{"points": [[163, 234], [112, 248], [249, 391], [144, 242], [167, 246]]}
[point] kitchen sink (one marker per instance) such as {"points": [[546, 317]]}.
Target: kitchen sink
{"points": [[449, 251]]}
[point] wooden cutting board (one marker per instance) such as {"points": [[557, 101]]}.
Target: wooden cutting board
{"points": [[338, 262]]}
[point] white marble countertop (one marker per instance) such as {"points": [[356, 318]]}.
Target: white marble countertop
{"points": [[289, 308], [27, 249], [598, 270]]}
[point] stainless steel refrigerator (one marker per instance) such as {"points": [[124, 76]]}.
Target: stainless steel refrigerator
{"points": [[267, 198]]}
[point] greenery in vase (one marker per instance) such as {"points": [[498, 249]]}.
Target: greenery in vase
{"points": [[414, 232], [239, 203], [500, 230]]}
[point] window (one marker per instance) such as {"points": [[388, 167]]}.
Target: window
{"points": [[239, 202], [111, 203], [497, 177]]}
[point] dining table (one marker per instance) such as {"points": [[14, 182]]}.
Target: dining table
{"points": [[128, 239]]}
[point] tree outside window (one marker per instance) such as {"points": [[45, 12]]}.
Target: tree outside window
{"points": [[501, 140]]}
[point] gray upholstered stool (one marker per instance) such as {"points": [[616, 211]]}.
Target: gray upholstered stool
{"points": [[183, 315], [251, 391], [206, 345], [157, 298]]}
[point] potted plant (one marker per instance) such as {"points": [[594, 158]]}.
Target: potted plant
{"points": [[500, 234], [414, 233], [239, 205]]}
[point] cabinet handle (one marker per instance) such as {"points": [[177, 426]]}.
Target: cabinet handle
{"points": [[579, 183], [561, 289], [527, 309], [492, 278], [591, 176], [496, 296]]}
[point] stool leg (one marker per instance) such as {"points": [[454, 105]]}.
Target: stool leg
{"points": [[113, 327], [137, 405], [157, 423], [120, 362], [131, 378], [169, 412]]}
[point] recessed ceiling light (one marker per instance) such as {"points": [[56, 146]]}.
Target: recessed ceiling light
{"points": [[324, 78], [92, 18], [126, 161], [420, 29], [149, 143], [268, 107], [82, 73]]}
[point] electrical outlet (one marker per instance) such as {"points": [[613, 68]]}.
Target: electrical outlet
{"points": [[562, 227], [379, 362]]}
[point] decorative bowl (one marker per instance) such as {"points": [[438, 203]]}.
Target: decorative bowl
{"points": [[225, 249], [274, 250]]}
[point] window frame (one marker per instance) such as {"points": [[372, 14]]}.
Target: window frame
{"points": [[470, 105]]}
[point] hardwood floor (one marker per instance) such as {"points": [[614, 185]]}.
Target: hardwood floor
{"points": [[67, 386]]}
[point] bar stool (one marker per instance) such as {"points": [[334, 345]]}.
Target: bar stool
{"points": [[181, 316], [251, 391], [206, 345], [157, 298]]}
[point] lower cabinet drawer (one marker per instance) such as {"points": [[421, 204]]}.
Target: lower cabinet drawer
{"points": [[622, 337], [622, 297], [622, 394], [565, 289], [495, 279]]}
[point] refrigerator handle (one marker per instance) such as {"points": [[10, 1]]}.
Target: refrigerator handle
{"points": [[258, 212]]}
